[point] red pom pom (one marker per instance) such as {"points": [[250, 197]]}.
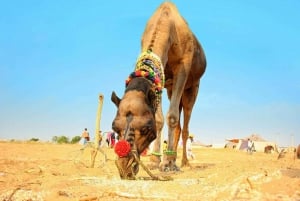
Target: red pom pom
{"points": [[122, 148], [138, 73], [156, 80]]}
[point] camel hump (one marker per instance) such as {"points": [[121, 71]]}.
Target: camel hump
{"points": [[168, 7], [167, 4]]}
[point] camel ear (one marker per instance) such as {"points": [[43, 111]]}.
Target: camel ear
{"points": [[115, 99]]}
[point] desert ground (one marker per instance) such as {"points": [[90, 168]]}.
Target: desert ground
{"points": [[46, 171]]}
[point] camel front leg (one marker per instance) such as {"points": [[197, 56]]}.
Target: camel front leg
{"points": [[156, 154], [179, 80]]}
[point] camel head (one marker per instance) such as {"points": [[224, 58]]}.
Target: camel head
{"points": [[135, 124]]}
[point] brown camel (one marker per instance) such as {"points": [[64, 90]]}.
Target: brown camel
{"points": [[298, 151], [171, 57]]}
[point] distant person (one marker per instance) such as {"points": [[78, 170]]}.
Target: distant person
{"points": [[250, 147], [165, 145], [98, 139], [189, 147], [86, 136], [253, 147], [108, 139], [112, 139]]}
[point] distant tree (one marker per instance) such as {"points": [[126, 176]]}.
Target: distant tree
{"points": [[54, 139], [62, 139], [75, 139], [34, 139]]}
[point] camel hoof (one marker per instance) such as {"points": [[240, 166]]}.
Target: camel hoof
{"points": [[172, 168], [176, 168], [167, 169]]}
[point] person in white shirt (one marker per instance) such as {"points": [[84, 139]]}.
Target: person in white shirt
{"points": [[250, 148], [190, 154]]}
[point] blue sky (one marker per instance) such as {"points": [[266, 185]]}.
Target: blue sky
{"points": [[57, 56]]}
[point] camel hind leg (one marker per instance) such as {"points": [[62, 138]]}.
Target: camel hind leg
{"points": [[188, 101]]}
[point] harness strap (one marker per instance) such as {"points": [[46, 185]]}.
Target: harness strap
{"points": [[149, 66], [151, 62]]}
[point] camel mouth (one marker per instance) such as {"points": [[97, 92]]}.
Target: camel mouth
{"points": [[128, 167], [126, 160]]}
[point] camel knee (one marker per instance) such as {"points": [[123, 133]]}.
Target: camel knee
{"points": [[172, 120]]}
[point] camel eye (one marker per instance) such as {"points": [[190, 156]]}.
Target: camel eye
{"points": [[146, 113], [148, 128], [149, 132], [115, 128]]}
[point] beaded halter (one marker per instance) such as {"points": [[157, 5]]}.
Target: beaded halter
{"points": [[149, 66]]}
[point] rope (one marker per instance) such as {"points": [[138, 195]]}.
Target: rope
{"points": [[153, 177]]}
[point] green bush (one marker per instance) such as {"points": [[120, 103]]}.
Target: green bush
{"points": [[34, 139], [75, 139], [60, 139]]}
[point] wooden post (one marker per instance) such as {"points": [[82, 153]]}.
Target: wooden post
{"points": [[97, 134]]}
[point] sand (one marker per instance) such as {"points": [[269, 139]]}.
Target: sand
{"points": [[45, 171]]}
